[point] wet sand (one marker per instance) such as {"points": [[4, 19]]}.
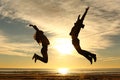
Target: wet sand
{"points": [[51, 76]]}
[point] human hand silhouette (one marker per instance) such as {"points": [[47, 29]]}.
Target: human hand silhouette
{"points": [[31, 25], [87, 8]]}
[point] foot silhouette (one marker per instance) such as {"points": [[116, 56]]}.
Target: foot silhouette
{"points": [[34, 56], [94, 57], [90, 59]]}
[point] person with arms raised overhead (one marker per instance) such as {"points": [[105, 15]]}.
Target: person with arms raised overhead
{"points": [[75, 41], [41, 38]]}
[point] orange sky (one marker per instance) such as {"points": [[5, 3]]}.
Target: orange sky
{"points": [[56, 18]]}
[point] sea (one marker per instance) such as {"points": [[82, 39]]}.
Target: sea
{"points": [[56, 71], [59, 74]]}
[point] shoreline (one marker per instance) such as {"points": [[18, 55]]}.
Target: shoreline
{"points": [[53, 76]]}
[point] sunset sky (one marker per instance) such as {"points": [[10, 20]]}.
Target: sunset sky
{"points": [[101, 34]]}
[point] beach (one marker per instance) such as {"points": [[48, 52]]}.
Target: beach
{"points": [[48, 75], [58, 77]]}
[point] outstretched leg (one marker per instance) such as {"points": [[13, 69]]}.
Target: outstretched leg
{"points": [[75, 42]]}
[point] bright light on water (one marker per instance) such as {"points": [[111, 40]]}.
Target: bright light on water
{"points": [[63, 70]]}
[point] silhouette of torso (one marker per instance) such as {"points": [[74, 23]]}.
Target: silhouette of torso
{"points": [[41, 38], [76, 28], [75, 31]]}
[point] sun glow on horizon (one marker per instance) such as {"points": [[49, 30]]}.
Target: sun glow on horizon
{"points": [[63, 71], [64, 46]]}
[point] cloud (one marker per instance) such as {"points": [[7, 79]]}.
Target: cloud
{"points": [[109, 59], [18, 49], [58, 17]]}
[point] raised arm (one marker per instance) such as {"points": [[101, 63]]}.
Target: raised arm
{"points": [[35, 27], [78, 17], [84, 14]]}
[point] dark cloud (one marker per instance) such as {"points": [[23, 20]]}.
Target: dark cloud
{"points": [[16, 31]]}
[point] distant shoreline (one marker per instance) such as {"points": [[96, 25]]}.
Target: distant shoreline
{"points": [[52, 74], [55, 76]]}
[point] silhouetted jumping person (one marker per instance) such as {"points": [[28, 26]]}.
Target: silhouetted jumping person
{"points": [[41, 38], [75, 41]]}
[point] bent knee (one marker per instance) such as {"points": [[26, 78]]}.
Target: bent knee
{"points": [[46, 61]]}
